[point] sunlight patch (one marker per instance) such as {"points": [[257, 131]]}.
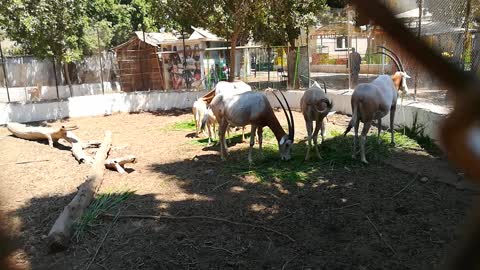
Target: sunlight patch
{"points": [[319, 183], [237, 189], [185, 197], [280, 188]]}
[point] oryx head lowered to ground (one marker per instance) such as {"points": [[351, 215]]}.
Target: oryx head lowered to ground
{"points": [[253, 108]]}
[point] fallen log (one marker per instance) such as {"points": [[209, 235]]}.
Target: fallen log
{"points": [[39, 133], [77, 148], [118, 163], [59, 236]]}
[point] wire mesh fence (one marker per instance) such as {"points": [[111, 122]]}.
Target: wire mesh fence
{"points": [[340, 51], [447, 25], [25, 78]]}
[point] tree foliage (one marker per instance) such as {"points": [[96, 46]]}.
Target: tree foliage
{"points": [[48, 27], [285, 18]]}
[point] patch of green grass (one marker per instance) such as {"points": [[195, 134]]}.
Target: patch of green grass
{"points": [[417, 133], [335, 153], [187, 125], [236, 137], [100, 205]]}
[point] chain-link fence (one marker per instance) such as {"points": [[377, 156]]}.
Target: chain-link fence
{"points": [[447, 25], [340, 51], [26, 78]]}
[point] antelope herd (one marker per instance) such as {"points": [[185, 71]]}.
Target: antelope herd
{"points": [[235, 105]]}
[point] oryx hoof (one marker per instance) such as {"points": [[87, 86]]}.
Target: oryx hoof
{"points": [[364, 161], [392, 144]]}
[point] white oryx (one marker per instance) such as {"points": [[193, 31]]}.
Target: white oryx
{"points": [[228, 89], [315, 107], [252, 108], [374, 100], [198, 109]]}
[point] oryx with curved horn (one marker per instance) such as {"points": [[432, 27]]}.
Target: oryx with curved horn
{"points": [[375, 100], [315, 107], [252, 108]]}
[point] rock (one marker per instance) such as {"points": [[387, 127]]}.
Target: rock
{"points": [[424, 179]]}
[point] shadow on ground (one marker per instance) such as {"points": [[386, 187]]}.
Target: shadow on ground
{"points": [[323, 214]]}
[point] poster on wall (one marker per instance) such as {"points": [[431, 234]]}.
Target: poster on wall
{"points": [[182, 72]]}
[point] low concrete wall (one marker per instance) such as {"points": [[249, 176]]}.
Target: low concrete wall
{"points": [[23, 94], [429, 115], [96, 105], [364, 68]]}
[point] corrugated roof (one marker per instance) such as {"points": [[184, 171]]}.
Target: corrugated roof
{"points": [[200, 33], [438, 28], [155, 38], [413, 13]]}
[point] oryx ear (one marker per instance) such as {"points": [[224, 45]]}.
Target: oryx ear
{"points": [[282, 140], [406, 75]]}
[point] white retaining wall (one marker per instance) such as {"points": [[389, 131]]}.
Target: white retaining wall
{"points": [[429, 115], [23, 94], [96, 105]]}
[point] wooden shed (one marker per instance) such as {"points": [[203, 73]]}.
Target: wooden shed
{"points": [[139, 66]]}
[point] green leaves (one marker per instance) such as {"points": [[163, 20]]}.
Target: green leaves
{"points": [[72, 29], [284, 18]]}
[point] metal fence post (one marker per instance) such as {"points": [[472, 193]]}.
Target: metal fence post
{"points": [[268, 64], [101, 67], [420, 13], [55, 74], [4, 72], [467, 30]]}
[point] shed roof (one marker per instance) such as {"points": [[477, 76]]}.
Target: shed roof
{"points": [[413, 13], [439, 28], [156, 38], [200, 33]]}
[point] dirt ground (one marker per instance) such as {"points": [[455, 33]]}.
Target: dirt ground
{"points": [[360, 217]]}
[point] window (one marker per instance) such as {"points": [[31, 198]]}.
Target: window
{"points": [[341, 43]]}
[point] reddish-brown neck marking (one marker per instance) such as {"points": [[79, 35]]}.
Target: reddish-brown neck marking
{"points": [[276, 128], [397, 80]]}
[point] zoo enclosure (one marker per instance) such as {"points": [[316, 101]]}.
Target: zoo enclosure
{"points": [[447, 26]]}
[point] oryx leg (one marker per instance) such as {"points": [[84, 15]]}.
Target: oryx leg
{"points": [[196, 123], [363, 139], [260, 140], [392, 120], [252, 142], [318, 126], [214, 131], [209, 134], [223, 142], [355, 137], [243, 134], [309, 125], [379, 129]]}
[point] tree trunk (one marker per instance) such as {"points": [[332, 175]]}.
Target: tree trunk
{"points": [[233, 46], [59, 236], [291, 64], [67, 77]]}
